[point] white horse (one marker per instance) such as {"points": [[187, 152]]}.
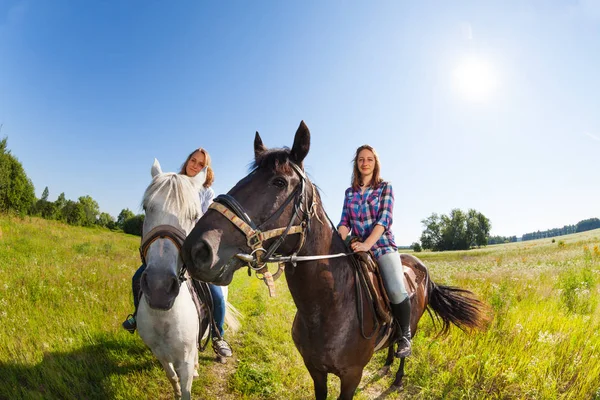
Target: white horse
{"points": [[167, 318]]}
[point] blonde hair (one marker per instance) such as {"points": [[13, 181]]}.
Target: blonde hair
{"points": [[376, 180], [210, 175]]}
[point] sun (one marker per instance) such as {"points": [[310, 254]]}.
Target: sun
{"points": [[475, 79]]}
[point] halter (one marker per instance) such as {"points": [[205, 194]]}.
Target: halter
{"points": [[231, 209], [175, 235]]}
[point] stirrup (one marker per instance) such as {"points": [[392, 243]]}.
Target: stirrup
{"points": [[130, 324], [221, 347]]}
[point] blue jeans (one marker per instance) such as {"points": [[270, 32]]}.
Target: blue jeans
{"points": [[215, 291]]}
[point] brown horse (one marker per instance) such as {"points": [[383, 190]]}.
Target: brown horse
{"points": [[276, 208]]}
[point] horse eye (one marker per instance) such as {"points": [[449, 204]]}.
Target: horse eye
{"points": [[279, 182]]}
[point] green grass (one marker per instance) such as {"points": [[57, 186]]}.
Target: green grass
{"points": [[64, 292]]}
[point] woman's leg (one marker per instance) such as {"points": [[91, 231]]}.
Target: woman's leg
{"points": [[220, 346], [130, 324], [219, 308], [392, 272]]}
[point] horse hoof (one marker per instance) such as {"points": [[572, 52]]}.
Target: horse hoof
{"points": [[196, 374], [383, 371], [221, 360]]}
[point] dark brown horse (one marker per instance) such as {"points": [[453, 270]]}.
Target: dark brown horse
{"points": [[275, 214]]}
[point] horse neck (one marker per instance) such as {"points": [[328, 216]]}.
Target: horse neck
{"points": [[322, 283]]}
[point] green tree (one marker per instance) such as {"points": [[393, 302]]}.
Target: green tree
{"points": [[416, 247], [73, 213], [431, 238], [91, 210], [17, 193], [124, 215], [456, 231], [45, 194], [106, 220], [134, 225]]}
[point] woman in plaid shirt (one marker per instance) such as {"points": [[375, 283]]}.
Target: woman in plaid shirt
{"points": [[367, 214]]}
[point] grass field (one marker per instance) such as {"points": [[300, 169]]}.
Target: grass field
{"points": [[64, 292]]}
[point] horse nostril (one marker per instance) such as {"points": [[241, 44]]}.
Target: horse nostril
{"points": [[203, 253], [174, 287]]}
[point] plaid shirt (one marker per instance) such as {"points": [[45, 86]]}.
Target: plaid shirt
{"points": [[362, 212]]}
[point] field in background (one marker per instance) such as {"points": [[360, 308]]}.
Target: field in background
{"points": [[64, 292]]}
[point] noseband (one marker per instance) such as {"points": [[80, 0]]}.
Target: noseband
{"points": [[231, 209], [175, 235]]}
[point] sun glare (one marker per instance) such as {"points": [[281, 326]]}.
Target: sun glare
{"points": [[475, 79]]}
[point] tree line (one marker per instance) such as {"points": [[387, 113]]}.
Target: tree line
{"points": [[581, 226], [17, 195]]}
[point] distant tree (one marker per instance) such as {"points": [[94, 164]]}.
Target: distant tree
{"points": [[73, 213], [91, 209], [456, 231], [588, 224], [106, 220], [134, 225], [45, 194], [431, 238], [484, 226], [416, 247], [17, 193], [124, 215]]}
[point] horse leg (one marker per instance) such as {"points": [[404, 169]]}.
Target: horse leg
{"points": [[399, 375], [185, 370], [172, 377], [349, 382], [388, 361], [320, 382]]}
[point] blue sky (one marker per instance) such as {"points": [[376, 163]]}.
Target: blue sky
{"points": [[486, 105]]}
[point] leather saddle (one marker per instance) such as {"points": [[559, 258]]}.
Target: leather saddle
{"points": [[413, 277]]}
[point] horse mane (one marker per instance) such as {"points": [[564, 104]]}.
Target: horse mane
{"points": [[179, 194], [276, 158]]}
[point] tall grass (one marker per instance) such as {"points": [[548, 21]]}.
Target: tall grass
{"points": [[64, 292]]}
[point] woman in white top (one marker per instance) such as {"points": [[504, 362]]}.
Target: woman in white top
{"points": [[195, 162]]}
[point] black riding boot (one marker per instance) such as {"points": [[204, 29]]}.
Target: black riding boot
{"points": [[401, 314], [130, 324]]}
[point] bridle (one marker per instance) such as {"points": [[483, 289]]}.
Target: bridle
{"points": [[174, 234], [257, 260]]}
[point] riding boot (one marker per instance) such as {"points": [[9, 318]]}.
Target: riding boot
{"points": [[401, 314], [130, 324]]}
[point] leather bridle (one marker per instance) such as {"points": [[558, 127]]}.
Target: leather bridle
{"points": [[257, 260]]}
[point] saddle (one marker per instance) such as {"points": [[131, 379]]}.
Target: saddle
{"points": [[413, 276]]}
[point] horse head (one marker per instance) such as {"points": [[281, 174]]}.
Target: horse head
{"points": [[171, 204], [252, 217]]}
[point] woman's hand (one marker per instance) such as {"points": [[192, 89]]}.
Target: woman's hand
{"points": [[360, 246]]}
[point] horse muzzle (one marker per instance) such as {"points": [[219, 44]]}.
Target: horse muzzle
{"points": [[160, 290]]}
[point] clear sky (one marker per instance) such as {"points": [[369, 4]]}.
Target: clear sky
{"points": [[491, 105]]}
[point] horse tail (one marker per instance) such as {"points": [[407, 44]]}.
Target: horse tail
{"points": [[457, 306], [232, 317]]}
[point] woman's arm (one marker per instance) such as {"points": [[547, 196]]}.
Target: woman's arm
{"points": [[371, 240]]}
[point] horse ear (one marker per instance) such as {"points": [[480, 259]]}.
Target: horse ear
{"points": [[259, 147], [155, 168], [301, 143]]}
